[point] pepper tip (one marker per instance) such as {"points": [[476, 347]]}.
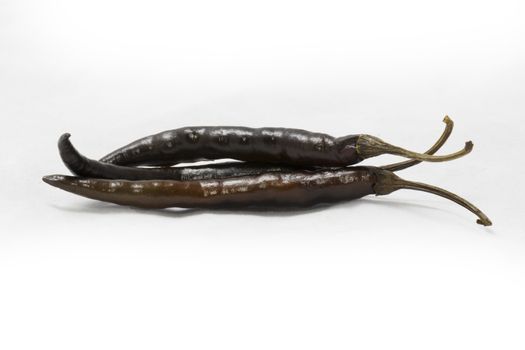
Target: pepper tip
{"points": [[65, 136], [52, 179]]}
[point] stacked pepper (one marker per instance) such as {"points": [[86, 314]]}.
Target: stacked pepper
{"points": [[273, 167]]}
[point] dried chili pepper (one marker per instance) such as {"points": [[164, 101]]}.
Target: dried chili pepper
{"points": [[85, 167], [289, 189], [264, 145]]}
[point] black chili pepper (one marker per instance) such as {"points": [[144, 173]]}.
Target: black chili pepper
{"points": [[85, 167], [264, 145]]}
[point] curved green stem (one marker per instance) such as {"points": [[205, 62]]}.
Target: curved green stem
{"points": [[387, 182], [439, 143], [368, 146]]}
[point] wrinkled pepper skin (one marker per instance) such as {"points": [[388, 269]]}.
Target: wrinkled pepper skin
{"points": [[85, 167], [281, 189], [263, 145]]}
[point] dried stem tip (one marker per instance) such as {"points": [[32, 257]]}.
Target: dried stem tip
{"points": [[387, 182], [370, 146], [449, 125]]}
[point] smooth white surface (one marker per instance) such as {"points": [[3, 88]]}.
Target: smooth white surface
{"points": [[406, 271]]}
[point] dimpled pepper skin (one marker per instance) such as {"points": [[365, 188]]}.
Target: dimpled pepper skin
{"points": [[299, 188], [263, 145]]}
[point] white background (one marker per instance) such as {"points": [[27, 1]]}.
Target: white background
{"points": [[408, 271]]}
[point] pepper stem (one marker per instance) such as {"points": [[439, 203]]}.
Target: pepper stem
{"points": [[449, 125], [368, 146], [387, 182]]}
